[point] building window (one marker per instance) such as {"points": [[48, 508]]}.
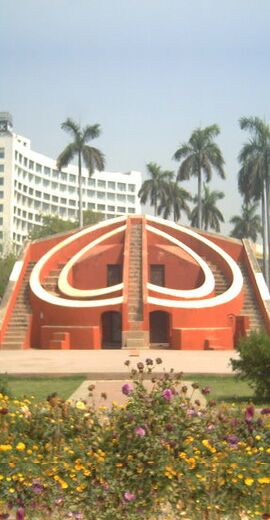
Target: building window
{"points": [[100, 195], [38, 167], [72, 202], [25, 162], [71, 212], [31, 191], [31, 165], [63, 201], [131, 199], [38, 194], [101, 207], [101, 184], [91, 182], [1, 181], [131, 187], [131, 210], [55, 174], [54, 185], [121, 198], [1, 208], [91, 206], [1, 167], [2, 153], [47, 170], [1, 194], [110, 208], [111, 185], [121, 186], [121, 209], [55, 199], [72, 178], [111, 196], [46, 196], [63, 187], [71, 189]]}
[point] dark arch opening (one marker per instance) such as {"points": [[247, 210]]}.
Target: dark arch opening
{"points": [[111, 323], [159, 322]]}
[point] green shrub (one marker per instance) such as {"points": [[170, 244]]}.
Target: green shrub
{"points": [[254, 362]]}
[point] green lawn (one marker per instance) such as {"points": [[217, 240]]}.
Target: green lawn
{"points": [[225, 388], [41, 387]]}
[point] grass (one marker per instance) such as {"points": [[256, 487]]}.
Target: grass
{"points": [[226, 388], [41, 387]]}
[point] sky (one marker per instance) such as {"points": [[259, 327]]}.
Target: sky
{"points": [[148, 71]]}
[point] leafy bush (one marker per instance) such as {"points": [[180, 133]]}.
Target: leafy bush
{"points": [[6, 265], [161, 451], [254, 362]]}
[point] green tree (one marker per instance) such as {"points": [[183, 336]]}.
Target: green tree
{"points": [[254, 174], [92, 157], [248, 224], [92, 217], [211, 215], [153, 189], [198, 157], [6, 265], [51, 224], [174, 200]]}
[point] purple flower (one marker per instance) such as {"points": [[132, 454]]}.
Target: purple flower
{"points": [[127, 389], [206, 390], [20, 513], [232, 439], [129, 497], [249, 413], [191, 412], [265, 411], [167, 394], [140, 431], [37, 488]]}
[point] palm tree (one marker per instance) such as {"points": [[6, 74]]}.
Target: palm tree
{"points": [[153, 189], [254, 175], [211, 215], [248, 224], [200, 155], [173, 201], [92, 157]]}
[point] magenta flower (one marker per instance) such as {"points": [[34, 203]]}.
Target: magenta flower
{"points": [[129, 497], [3, 411], [232, 439], [206, 390], [167, 394], [265, 411], [249, 413], [127, 389], [140, 431], [20, 513]]}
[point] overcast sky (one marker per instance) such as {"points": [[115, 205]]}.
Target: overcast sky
{"points": [[149, 71]]}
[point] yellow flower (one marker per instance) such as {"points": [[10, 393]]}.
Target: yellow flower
{"points": [[20, 446], [80, 405], [5, 447], [249, 481], [264, 480]]}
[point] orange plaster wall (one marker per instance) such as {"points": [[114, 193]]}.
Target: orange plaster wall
{"points": [[91, 273], [176, 268]]}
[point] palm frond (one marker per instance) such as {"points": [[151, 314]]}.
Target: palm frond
{"points": [[90, 132], [93, 159], [71, 127], [66, 156]]}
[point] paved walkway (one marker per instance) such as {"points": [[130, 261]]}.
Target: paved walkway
{"points": [[109, 364]]}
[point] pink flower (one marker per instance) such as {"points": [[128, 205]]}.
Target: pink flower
{"points": [[265, 411], [206, 390], [140, 431], [20, 513], [127, 389], [129, 497], [249, 413], [167, 394]]}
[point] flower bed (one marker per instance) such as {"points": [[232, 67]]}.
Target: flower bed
{"points": [[159, 451]]}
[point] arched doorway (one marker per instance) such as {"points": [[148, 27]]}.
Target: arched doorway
{"points": [[159, 323], [111, 322]]}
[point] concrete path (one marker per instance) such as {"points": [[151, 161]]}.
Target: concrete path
{"points": [[113, 391], [109, 364]]}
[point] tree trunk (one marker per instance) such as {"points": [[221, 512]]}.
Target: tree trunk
{"points": [[265, 248], [80, 191], [268, 225], [199, 198]]}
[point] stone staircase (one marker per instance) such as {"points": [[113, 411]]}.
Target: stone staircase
{"points": [[250, 308], [18, 323], [51, 281], [135, 337]]}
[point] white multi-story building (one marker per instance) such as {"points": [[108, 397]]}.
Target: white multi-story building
{"points": [[31, 186]]}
